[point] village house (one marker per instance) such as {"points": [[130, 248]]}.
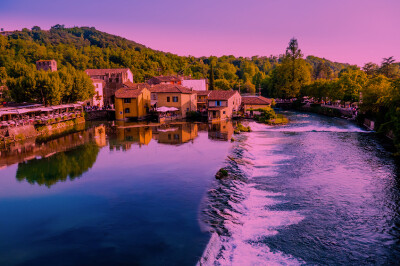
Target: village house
{"points": [[172, 95], [195, 84], [132, 101], [202, 97], [188, 82], [98, 99], [223, 104], [46, 65], [114, 79], [251, 103]]}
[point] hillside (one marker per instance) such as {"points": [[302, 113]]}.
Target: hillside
{"points": [[86, 47]]}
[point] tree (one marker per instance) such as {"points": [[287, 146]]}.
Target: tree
{"points": [[387, 67], [211, 79], [371, 69], [281, 83], [222, 84], [351, 83]]}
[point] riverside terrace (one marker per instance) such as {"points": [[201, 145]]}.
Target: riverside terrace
{"points": [[36, 114]]}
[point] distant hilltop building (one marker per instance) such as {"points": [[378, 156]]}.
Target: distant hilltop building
{"points": [[114, 79], [193, 84], [46, 65]]}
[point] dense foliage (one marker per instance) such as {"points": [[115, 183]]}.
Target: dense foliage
{"points": [[76, 49]]}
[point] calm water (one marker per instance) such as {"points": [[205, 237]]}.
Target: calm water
{"points": [[317, 191], [109, 196]]}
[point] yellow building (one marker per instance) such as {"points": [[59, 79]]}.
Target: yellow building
{"points": [[251, 103], [173, 95], [132, 101], [223, 104]]}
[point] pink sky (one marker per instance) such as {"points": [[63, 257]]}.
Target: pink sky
{"points": [[352, 31]]}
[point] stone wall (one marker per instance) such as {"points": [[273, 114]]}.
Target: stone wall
{"points": [[22, 132]]}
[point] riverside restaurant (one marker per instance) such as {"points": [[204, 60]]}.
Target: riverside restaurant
{"points": [[38, 114]]}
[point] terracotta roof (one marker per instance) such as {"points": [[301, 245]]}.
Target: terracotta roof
{"points": [[256, 100], [221, 95], [164, 88], [99, 72], [202, 93], [50, 60], [131, 90], [160, 79]]}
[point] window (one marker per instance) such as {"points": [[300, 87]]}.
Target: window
{"points": [[127, 100], [218, 103], [187, 109], [127, 110], [176, 136], [169, 136], [175, 99], [223, 112], [168, 99]]}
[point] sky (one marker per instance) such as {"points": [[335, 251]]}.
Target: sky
{"points": [[348, 31]]}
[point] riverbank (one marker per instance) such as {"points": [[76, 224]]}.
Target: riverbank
{"points": [[21, 133]]}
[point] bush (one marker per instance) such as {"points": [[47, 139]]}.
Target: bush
{"points": [[241, 128], [193, 115]]}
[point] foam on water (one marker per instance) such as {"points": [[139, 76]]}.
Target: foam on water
{"points": [[242, 212]]}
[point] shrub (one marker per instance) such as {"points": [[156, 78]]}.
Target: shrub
{"points": [[193, 115], [242, 128]]}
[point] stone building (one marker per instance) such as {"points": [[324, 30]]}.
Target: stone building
{"points": [[114, 79], [46, 65]]}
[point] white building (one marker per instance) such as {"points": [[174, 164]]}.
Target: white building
{"points": [[195, 84], [98, 98]]}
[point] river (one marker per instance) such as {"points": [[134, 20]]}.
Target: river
{"points": [[316, 191]]}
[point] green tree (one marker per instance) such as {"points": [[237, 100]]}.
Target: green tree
{"points": [[388, 68], [222, 84], [211, 85], [371, 69]]}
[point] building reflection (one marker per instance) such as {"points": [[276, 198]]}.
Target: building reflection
{"points": [[175, 134], [128, 134], [222, 130], [42, 148]]}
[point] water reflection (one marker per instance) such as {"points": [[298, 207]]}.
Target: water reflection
{"points": [[45, 162], [48, 171], [124, 137], [38, 148], [220, 131], [175, 134]]}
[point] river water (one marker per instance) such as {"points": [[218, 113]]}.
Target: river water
{"points": [[316, 191]]}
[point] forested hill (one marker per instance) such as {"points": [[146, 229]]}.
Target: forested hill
{"points": [[86, 47]]}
